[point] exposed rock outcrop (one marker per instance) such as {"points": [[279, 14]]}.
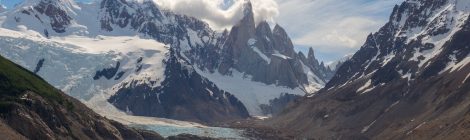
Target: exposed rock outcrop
{"points": [[277, 105], [268, 55]]}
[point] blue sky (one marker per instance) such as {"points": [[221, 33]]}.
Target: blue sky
{"points": [[333, 28]]}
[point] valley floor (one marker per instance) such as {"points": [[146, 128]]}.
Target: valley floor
{"points": [[165, 127]]}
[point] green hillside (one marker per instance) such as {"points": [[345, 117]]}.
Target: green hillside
{"points": [[15, 80]]}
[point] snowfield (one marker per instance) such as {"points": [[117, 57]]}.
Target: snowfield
{"points": [[72, 61]]}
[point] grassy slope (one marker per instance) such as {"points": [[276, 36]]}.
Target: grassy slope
{"points": [[15, 80]]}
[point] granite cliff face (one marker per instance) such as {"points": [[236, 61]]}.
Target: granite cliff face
{"points": [[268, 56], [410, 80]]}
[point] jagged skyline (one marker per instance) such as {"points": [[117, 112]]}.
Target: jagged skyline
{"points": [[333, 28]]}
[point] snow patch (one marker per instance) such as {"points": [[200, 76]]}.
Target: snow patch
{"points": [[195, 39], [391, 106], [251, 43], [261, 54], [388, 58], [365, 88], [466, 78], [454, 65], [314, 82], [366, 128], [210, 92], [277, 54], [417, 127]]}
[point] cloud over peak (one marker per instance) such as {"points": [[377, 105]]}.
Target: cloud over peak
{"points": [[221, 14]]}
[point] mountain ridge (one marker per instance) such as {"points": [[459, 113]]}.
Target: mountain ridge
{"points": [[193, 39], [406, 82]]}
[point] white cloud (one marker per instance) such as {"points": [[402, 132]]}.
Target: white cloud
{"points": [[349, 32], [217, 13]]}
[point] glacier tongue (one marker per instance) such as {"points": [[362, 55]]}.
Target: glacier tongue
{"points": [[70, 63]]}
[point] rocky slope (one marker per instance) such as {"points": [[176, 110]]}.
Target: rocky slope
{"points": [[32, 109], [410, 80]]}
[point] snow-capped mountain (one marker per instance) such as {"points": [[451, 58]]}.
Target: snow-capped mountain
{"points": [[409, 80], [253, 60], [119, 51], [69, 45], [413, 43]]}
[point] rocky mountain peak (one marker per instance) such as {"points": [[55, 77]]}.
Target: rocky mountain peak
{"points": [[414, 66], [56, 13], [311, 54], [265, 36], [65, 4], [248, 20], [268, 56], [311, 58], [247, 9], [279, 31], [415, 29], [302, 56], [263, 28], [283, 42]]}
